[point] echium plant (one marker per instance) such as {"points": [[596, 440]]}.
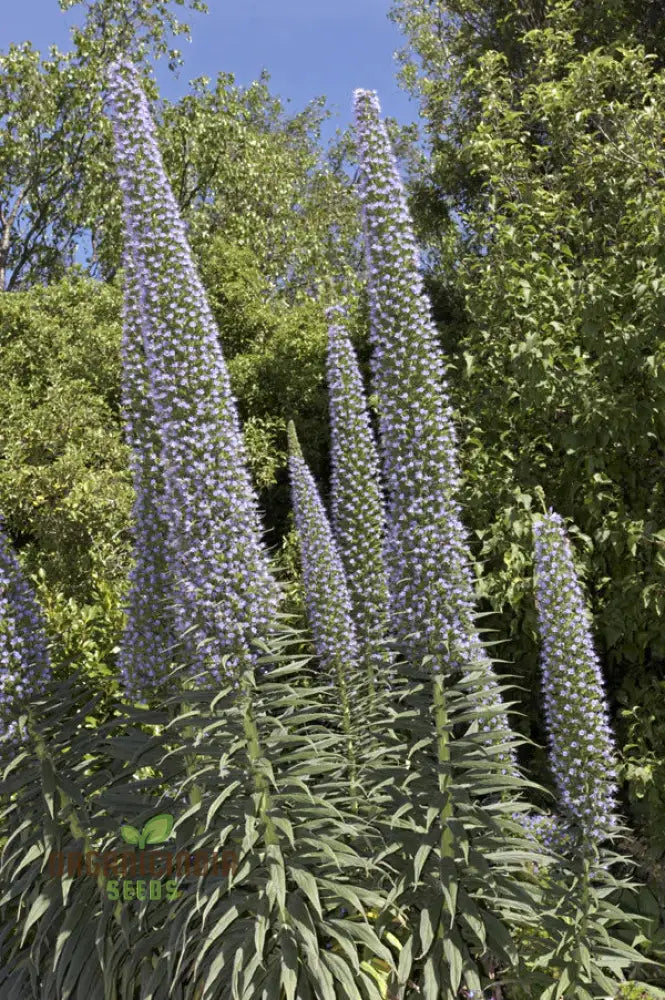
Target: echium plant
{"points": [[201, 497], [431, 579], [326, 593], [582, 754], [330, 614], [25, 665], [149, 640], [358, 514]]}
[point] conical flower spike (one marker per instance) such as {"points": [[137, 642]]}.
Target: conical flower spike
{"points": [[431, 580], [357, 505], [326, 593], [149, 641], [25, 666], [582, 753], [224, 594]]}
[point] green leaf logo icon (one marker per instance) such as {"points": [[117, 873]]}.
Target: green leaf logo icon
{"points": [[155, 831], [130, 834]]}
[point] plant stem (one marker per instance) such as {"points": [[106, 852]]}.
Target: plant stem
{"points": [[348, 732], [443, 757], [254, 754], [195, 793]]}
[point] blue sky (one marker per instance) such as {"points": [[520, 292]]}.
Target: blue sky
{"points": [[309, 47]]}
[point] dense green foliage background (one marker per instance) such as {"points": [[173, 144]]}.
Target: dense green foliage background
{"points": [[542, 209], [539, 197]]}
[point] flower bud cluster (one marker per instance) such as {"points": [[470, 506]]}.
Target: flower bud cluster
{"points": [[193, 485], [431, 579], [358, 515], [25, 666], [582, 754], [550, 832], [326, 593]]}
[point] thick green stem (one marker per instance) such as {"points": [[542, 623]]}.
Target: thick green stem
{"points": [[371, 680], [195, 793], [347, 728], [586, 896], [348, 732], [261, 785], [443, 757]]}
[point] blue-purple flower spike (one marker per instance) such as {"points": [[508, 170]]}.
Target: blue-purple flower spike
{"points": [[25, 665], [357, 505], [224, 594], [326, 593], [149, 641], [582, 754], [431, 580]]}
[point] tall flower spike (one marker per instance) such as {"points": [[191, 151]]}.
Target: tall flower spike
{"points": [[357, 505], [582, 754], [326, 593], [224, 593], [149, 640], [431, 580], [25, 665]]}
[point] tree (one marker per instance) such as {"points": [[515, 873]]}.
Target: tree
{"points": [[221, 143], [446, 41], [65, 489], [55, 157]]}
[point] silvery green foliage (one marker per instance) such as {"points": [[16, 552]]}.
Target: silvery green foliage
{"points": [[431, 579], [358, 515], [25, 665], [194, 495], [582, 754]]}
